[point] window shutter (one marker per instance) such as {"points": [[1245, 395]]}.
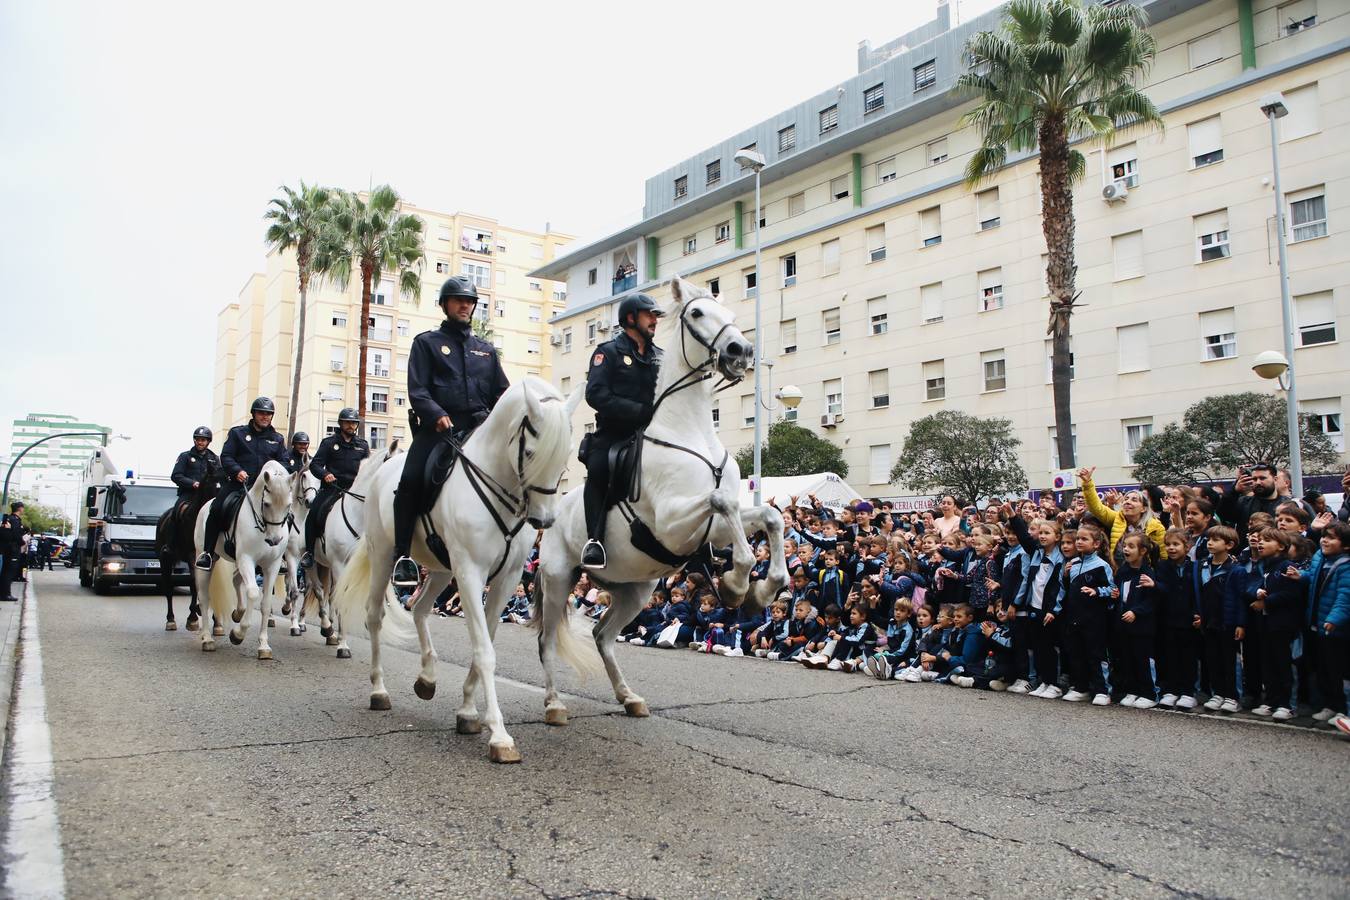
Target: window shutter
{"points": [[1205, 138], [829, 257], [930, 225], [1205, 50], [930, 301], [879, 464], [1128, 251], [1302, 118], [987, 203], [1132, 347], [1211, 223]]}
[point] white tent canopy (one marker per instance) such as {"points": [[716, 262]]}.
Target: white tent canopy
{"points": [[828, 487]]}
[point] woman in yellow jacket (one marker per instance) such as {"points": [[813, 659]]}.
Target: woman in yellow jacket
{"points": [[1134, 515]]}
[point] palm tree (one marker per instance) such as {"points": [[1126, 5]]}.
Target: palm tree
{"points": [[296, 221], [371, 235], [1058, 71]]}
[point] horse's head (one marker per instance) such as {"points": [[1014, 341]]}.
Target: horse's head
{"points": [[702, 318], [274, 489], [540, 446], [304, 487]]}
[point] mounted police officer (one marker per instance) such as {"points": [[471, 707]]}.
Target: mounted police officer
{"points": [[336, 463], [454, 381], [621, 388], [297, 457], [247, 449], [193, 465]]}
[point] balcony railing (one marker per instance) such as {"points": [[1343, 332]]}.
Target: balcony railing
{"points": [[626, 283], [480, 247], [383, 335]]}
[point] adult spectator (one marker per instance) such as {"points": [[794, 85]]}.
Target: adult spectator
{"points": [[1344, 514], [12, 544], [949, 522], [1254, 491]]}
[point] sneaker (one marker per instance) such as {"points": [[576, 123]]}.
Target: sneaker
{"points": [[593, 555], [772, 654], [1214, 704], [1168, 700], [1039, 691], [1052, 692], [1187, 702], [761, 652], [406, 574], [621, 639], [998, 685], [1324, 716], [734, 651], [1144, 703], [964, 681], [873, 665], [1101, 700], [835, 665], [887, 670], [816, 662], [1075, 696], [1129, 699], [927, 675], [720, 649], [1282, 714], [1264, 711], [1341, 722], [666, 645], [204, 562], [913, 675], [1020, 686]]}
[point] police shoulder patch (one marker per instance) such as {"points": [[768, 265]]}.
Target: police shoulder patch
{"points": [[597, 359]]}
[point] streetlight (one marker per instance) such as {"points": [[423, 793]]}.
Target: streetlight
{"points": [[324, 398], [4, 497], [753, 160], [789, 397], [1272, 106]]}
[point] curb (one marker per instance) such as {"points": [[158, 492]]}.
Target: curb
{"points": [[11, 621]]}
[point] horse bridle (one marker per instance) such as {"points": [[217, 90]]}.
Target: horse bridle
{"points": [[697, 373], [261, 523]]}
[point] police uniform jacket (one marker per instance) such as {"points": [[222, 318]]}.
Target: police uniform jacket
{"points": [[295, 462], [191, 468], [453, 373], [340, 458], [621, 386], [247, 450]]}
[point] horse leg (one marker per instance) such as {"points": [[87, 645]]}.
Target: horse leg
{"points": [[194, 619], [343, 650], [501, 746], [201, 587], [425, 685], [727, 529], [247, 594], [264, 608], [770, 521], [381, 567], [322, 586], [466, 718], [627, 600], [551, 614]]}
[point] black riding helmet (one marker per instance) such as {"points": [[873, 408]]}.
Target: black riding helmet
{"points": [[299, 438], [634, 305], [263, 405], [458, 286], [348, 415], [201, 431]]}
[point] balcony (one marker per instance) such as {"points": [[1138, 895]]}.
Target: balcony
{"points": [[470, 245], [383, 335], [623, 283]]}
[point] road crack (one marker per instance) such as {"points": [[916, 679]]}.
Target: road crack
{"points": [[1118, 869]]}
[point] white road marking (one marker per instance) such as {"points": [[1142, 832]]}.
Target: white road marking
{"points": [[32, 842]]}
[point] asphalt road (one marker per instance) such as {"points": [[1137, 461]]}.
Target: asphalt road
{"points": [[179, 774]]}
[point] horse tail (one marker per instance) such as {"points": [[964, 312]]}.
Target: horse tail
{"points": [[352, 592], [574, 650], [220, 594]]}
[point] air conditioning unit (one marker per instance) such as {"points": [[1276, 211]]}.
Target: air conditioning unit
{"points": [[830, 420], [336, 365], [1115, 192], [555, 340]]}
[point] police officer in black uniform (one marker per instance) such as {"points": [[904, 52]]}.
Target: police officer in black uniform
{"points": [[454, 381], [297, 457], [247, 449], [192, 464], [621, 388], [336, 463]]}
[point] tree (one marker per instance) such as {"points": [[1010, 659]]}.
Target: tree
{"points": [[371, 235], [296, 222], [481, 329], [952, 452], [43, 519], [1057, 71], [1218, 434], [790, 449]]}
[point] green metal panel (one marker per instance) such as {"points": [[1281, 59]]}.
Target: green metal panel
{"points": [[1247, 30], [857, 179], [653, 258], [740, 225]]}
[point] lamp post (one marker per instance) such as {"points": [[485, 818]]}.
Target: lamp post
{"points": [[753, 160], [788, 397], [1272, 105], [4, 499], [324, 398]]}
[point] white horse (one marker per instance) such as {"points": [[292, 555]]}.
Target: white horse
{"points": [[259, 529], [344, 526], [689, 497], [305, 489], [506, 477]]}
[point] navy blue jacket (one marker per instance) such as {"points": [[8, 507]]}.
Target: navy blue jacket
{"points": [[967, 648], [1222, 596], [1142, 601], [900, 639], [340, 458], [1176, 584], [804, 631], [451, 372], [1091, 572], [621, 386], [1037, 557], [191, 467], [1285, 597], [248, 450]]}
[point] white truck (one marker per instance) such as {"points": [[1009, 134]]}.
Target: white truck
{"points": [[116, 542]]}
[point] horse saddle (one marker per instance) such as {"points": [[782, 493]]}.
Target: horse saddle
{"points": [[440, 463], [625, 470], [229, 508]]}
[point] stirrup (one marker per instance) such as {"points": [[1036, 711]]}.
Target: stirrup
{"points": [[204, 562], [406, 573], [593, 555]]}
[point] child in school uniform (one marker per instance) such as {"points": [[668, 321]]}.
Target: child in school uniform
{"points": [[832, 583], [829, 625], [1034, 629], [963, 657], [1328, 587], [900, 643], [648, 621], [1179, 621], [705, 617], [932, 631], [854, 642], [998, 663], [1279, 603], [1137, 592], [679, 614], [804, 628], [772, 635], [1222, 616], [1088, 584]]}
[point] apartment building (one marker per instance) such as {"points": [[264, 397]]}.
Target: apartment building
{"points": [[255, 349], [69, 454], [892, 290]]}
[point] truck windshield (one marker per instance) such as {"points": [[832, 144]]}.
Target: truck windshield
{"points": [[137, 501]]}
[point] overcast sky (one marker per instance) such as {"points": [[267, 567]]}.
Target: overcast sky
{"points": [[141, 142]]}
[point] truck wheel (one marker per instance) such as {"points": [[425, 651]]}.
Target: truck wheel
{"points": [[103, 586], [85, 580]]}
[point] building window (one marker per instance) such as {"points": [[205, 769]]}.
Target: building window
{"points": [[592, 276], [713, 173], [442, 267], [874, 98], [1316, 315], [560, 296], [1127, 252], [787, 138], [1325, 416], [591, 328], [1206, 142], [378, 435], [337, 359], [995, 370], [715, 286], [752, 148], [1291, 18], [379, 401], [536, 313], [879, 463], [834, 397], [480, 274], [886, 170], [1302, 119], [380, 295], [339, 318], [1204, 50], [1135, 432], [876, 315], [788, 330], [830, 324], [1218, 334], [722, 233], [404, 327], [381, 329], [925, 75], [377, 364], [536, 286], [749, 279], [879, 384], [533, 346], [937, 151], [876, 243], [987, 204], [567, 341], [930, 303], [1132, 349], [400, 401], [499, 308], [402, 360], [839, 187], [991, 289], [934, 380], [681, 186], [829, 119], [1054, 445], [797, 204], [930, 226], [1050, 360], [1211, 236], [829, 257], [789, 268], [1124, 164], [747, 410], [691, 244], [1308, 213]]}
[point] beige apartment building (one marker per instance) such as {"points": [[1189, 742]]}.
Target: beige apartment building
{"points": [[255, 349], [893, 291]]}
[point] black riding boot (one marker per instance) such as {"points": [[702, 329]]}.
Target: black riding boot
{"points": [[207, 555], [406, 572], [593, 495]]}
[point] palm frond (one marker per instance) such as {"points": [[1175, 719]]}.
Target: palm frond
{"points": [[1065, 23]]}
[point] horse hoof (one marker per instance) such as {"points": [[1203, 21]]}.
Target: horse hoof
{"points": [[303, 628], [344, 653], [425, 689], [286, 608], [555, 716], [170, 626], [503, 753], [193, 625], [326, 631], [264, 654], [380, 702], [333, 640], [236, 615], [271, 623], [637, 709], [295, 632], [465, 725], [238, 639], [218, 631], [208, 646]]}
